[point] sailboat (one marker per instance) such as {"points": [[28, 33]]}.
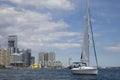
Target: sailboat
{"points": [[84, 64]]}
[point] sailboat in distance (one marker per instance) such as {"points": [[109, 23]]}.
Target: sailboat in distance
{"points": [[83, 67]]}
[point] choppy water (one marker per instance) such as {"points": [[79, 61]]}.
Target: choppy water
{"points": [[57, 74]]}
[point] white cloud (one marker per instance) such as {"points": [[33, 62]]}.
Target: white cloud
{"points": [[1, 36], [63, 34], [50, 4], [25, 19], [64, 45], [115, 48], [35, 29]]}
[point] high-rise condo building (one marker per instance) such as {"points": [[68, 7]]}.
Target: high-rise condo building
{"points": [[27, 57], [46, 59], [4, 57], [41, 60], [12, 44], [32, 60]]}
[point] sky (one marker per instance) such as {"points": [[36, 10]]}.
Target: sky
{"points": [[58, 25]]}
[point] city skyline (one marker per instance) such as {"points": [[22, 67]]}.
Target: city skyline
{"points": [[47, 60], [58, 25]]}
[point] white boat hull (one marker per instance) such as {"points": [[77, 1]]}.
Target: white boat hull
{"points": [[85, 70]]}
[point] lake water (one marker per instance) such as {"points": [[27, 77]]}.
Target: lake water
{"points": [[57, 74]]}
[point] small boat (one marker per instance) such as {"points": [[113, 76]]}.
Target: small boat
{"points": [[85, 70], [35, 66], [83, 67]]}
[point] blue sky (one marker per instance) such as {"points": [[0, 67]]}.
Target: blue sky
{"points": [[57, 25]]}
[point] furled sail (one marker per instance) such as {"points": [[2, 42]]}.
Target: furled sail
{"points": [[85, 48]]}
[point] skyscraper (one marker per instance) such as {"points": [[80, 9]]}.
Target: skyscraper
{"points": [[50, 56], [46, 59], [12, 44], [41, 59], [32, 60], [27, 57], [17, 59], [4, 57]]}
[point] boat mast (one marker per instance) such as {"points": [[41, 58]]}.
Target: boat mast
{"points": [[90, 24], [87, 30]]}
